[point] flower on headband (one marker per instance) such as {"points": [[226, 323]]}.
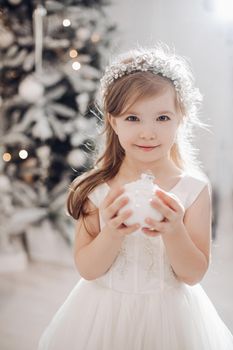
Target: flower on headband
{"points": [[160, 62]]}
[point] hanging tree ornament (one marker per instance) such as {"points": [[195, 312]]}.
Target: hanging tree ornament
{"points": [[77, 158], [31, 88]]}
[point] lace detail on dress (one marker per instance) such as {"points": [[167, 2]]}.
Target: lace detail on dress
{"points": [[125, 256], [151, 265], [140, 267]]}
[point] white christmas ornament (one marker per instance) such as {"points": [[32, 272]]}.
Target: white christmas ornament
{"points": [[76, 158], [140, 193], [31, 89]]}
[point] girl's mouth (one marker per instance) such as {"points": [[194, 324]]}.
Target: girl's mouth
{"points": [[146, 148]]}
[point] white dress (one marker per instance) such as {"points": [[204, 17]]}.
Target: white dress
{"points": [[138, 304]]}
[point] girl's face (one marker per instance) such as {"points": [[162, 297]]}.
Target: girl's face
{"points": [[147, 129]]}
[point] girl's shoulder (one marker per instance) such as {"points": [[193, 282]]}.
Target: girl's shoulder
{"points": [[98, 194], [191, 186], [97, 189], [87, 184], [198, 178]]}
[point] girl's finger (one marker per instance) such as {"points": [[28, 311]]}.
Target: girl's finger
{"points": [[116, 206], [129, 229], [150, 232], [171, 200], [166, 211], [112, 196], [156, 225], [119, 219]]}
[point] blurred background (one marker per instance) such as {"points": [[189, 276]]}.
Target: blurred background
{"points": [[52, 57]]}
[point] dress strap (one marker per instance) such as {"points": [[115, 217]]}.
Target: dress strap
{"points": [[98, 194], [190, 188]]}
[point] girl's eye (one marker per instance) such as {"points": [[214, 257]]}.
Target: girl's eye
{"points": [[132, 118], [163, 118]]}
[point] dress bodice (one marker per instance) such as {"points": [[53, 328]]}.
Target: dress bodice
{"points": [[142, 265]]}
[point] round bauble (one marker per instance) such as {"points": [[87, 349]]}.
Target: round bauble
{"points": [[140, 194], [31, 89], [76, 158]]}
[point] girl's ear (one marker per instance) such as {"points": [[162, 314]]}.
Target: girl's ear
{"points": [[112, 122]]}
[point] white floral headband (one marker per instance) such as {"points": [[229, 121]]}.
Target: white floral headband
{"points": [[157, 61]]}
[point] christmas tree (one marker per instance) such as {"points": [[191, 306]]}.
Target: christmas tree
{"points": [[52, 57]]}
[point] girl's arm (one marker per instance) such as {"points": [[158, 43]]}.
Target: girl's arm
{"points": [[188, 247], [95, 249], [94, 253]]}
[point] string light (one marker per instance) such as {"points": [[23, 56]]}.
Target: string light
{"points": [[66, 22], [95, 37], [6, 157], [76, 65], [23, 154], [73, 53]]}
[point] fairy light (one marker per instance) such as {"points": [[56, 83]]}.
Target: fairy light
{"points": [[23, 154], [76, 65], [66, 22], [6, 157], [73, 53], [95, 38]]}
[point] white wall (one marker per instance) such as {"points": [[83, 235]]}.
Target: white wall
{"points": [[201, 36]]}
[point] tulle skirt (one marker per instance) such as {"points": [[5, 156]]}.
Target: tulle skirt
{"points": [[98, 318]]}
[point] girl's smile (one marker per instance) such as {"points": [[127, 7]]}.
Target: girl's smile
{"points": [[146, 148]]}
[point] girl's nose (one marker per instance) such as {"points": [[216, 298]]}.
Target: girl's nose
{"points": [[147, 134]]}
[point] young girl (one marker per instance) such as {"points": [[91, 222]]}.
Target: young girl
{"points": [[140, 286]]}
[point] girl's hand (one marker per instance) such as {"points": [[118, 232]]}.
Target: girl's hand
{"points": [[172, 210], [109, 210]]}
